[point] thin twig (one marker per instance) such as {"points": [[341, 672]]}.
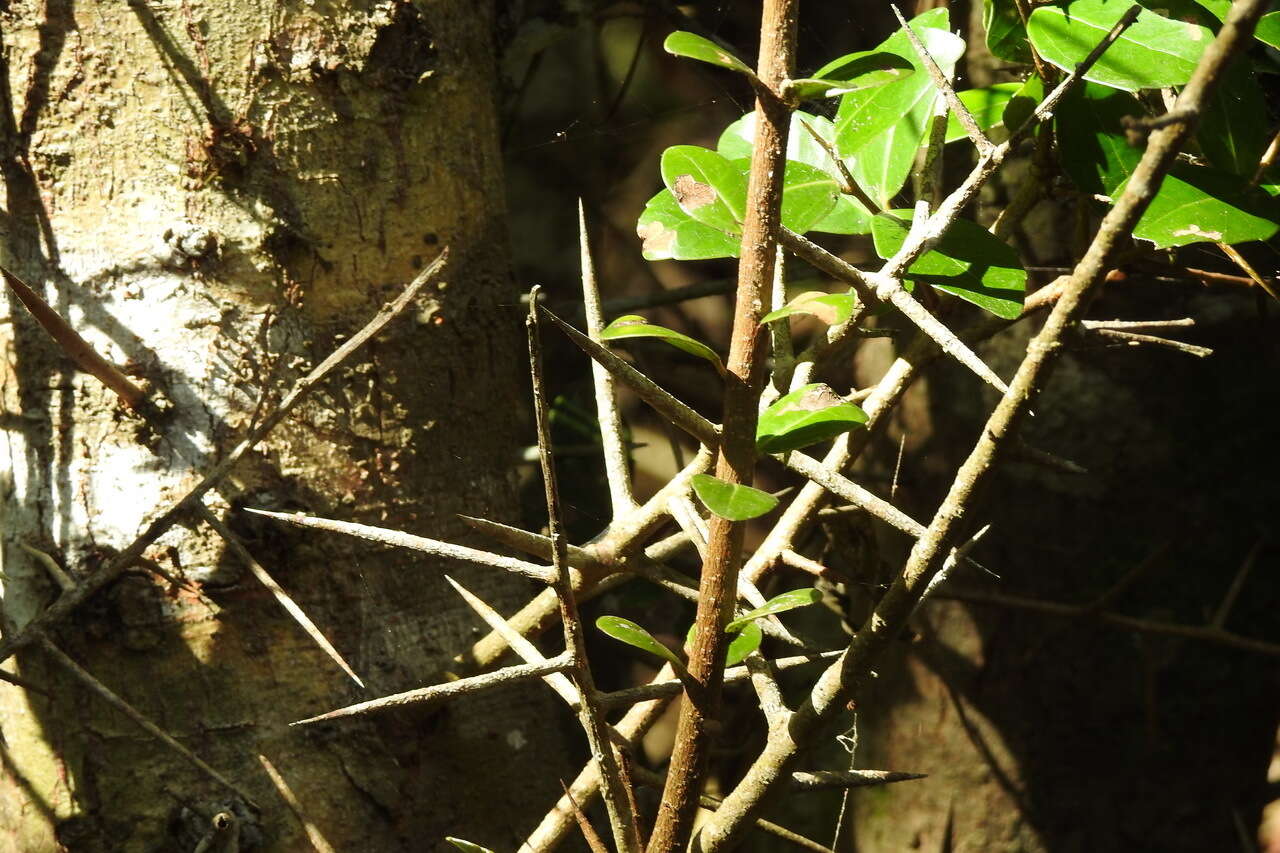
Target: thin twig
{"points": [[447, 690], [1134, 339], [848, 185], [940, 80], [671, 687], [612, 435], [129, 556], [73, 344], [111, 698], [318, 842], [285, 600], [400, 539], [594, 841], [1237, 583], [617, 801], [1243, 263]]}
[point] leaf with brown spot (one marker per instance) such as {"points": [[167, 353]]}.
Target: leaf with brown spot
{"points": [[707, 186], [806, 416], [830, 308], [671, 234]]}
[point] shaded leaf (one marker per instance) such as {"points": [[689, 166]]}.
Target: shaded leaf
{"points": [[830, 308], [808, 195], [1088, 125], [1233, 127], [694, 46], [635, 326], [626, 631], [987, 106], [706, 185], [806, 416], [1154, 52], [668, 233], [1006, 36], [778, 604], [731, 501], [969, 262], [1023, 103]]}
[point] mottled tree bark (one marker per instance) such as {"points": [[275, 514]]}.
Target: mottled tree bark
{"points": [[215, 195]]}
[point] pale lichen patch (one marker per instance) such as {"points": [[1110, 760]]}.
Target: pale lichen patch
{"points": [[1194, 230]]}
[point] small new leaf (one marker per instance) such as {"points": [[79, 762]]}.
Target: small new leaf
{"points": [[626, 631], [778, 604], [467, 846], [635, 326], [747, 638], [731, 501], [831, 308], [694, 46], [806, 416]]}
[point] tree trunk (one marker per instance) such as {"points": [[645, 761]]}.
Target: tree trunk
{"points": [[216, 195]]}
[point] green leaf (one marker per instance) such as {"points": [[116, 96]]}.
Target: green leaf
{"points": [[969, 262], [1089, 128], [635, 326], [808, 196], [1023, 103], [706, 185], [866, 69], [1154, 52], [806, 416], [467, 846], [1233, 128], [778, 604], [626, 631], [1196, 204], [1267, 31], [830, 308], [747, 639], [730, 501], [668, 233], [1006, 36], [987, 106], [694, 46], [882, 128], [846, 216]]}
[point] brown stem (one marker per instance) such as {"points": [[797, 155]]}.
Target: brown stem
{"points": [[737, 460]]}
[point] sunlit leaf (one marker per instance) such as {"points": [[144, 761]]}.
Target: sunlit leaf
{"points": [[986, 105], [635, 326], [467, 846], [746, 639], [626, 631], [806, 416], [1152, 53], [830, 308], [1196, 204], [883, 128], [778, 604], [694, 46], [731, 501], [808, 195], [668, 233], [706, 185], [969, 262], [1267, 30]]}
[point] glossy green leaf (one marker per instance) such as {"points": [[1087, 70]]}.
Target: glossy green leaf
{"points": [[706, 185], [694, 46], [635, 326], [1154, 52], [1267, 31], [969, 262], [467, 846], [668, 233], [626, 631], [730, 501], [867, 68], [806, 416], [778, 604], [808, 195], [1088, 125], [986, 105], [846, 215], [1201, 205], [1023, 103], [1233, 127], [746, 639], [882, 128], [1006, 36], [830, 308]]}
